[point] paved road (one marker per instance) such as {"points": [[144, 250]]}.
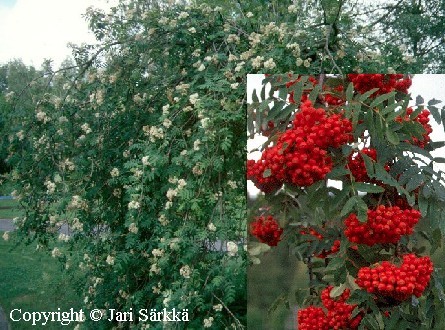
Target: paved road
{"points": [[8, 225], [3, 320]]}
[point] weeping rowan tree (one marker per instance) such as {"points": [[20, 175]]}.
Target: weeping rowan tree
{"points": [[140, 151], [350, 186]]}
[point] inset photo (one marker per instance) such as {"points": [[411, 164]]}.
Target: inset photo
{"points": [[346, 192]]}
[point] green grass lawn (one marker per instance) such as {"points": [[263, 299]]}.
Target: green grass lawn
{"points": [[9, 209], [33, 281]]}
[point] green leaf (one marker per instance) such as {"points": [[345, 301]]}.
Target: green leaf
{"points": [[297, 89], [442, 115], [434, 102], [390, 108], [435, 112], [314, 93], [255, 96], [350, 281], [436, 240], [381, 98], [267, 173], [369, 164], [362, 210], [423, 205], [337, 291], [437, 144], [282, 93], [350, 92], [419, 100], [338, 172], [349, 206], [439, 160], [366, 95], [414, 182], [334, 264], [368, 187], [392, 136]]}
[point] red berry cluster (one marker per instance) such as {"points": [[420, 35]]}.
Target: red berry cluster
{"points": [[312, 318], [398, 282], [385, 224], [423, 119], [300, 156], [334, 96], [267, 230], [385, 82], [356, 164], [335, 247], [338, 315]]}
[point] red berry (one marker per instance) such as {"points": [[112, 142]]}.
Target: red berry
{"points": [[405, 284], [267, 230]]}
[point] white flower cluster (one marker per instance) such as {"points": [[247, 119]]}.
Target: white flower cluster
{"points": [[257, 62], [194, 98], [167, 123], [208, 322], [133, 228], [233, 38], [154, 268], [63, 237], [196, 145], [232, 248], [153, 132], [76, 202], [232, 184], [247, 54], [185, 271], [239, 66], [110, 260], [196, 170], [56, 253], [157, 253], [211, 227], [306, 63], [218, 307], [134, 205], [295, 48], [205, 122], [41, 116], [163, 220], [77, 225], [292, 9], [114, 172], [145, 161], [174, 243], [50, 186], [183, 14], [67, 164], [20, 135], [182, 88], [269, 64], [255, 39], [269, 28], [86, 128]]}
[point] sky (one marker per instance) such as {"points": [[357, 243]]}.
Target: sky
{"points": [[430, 87], [37, 29]]}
